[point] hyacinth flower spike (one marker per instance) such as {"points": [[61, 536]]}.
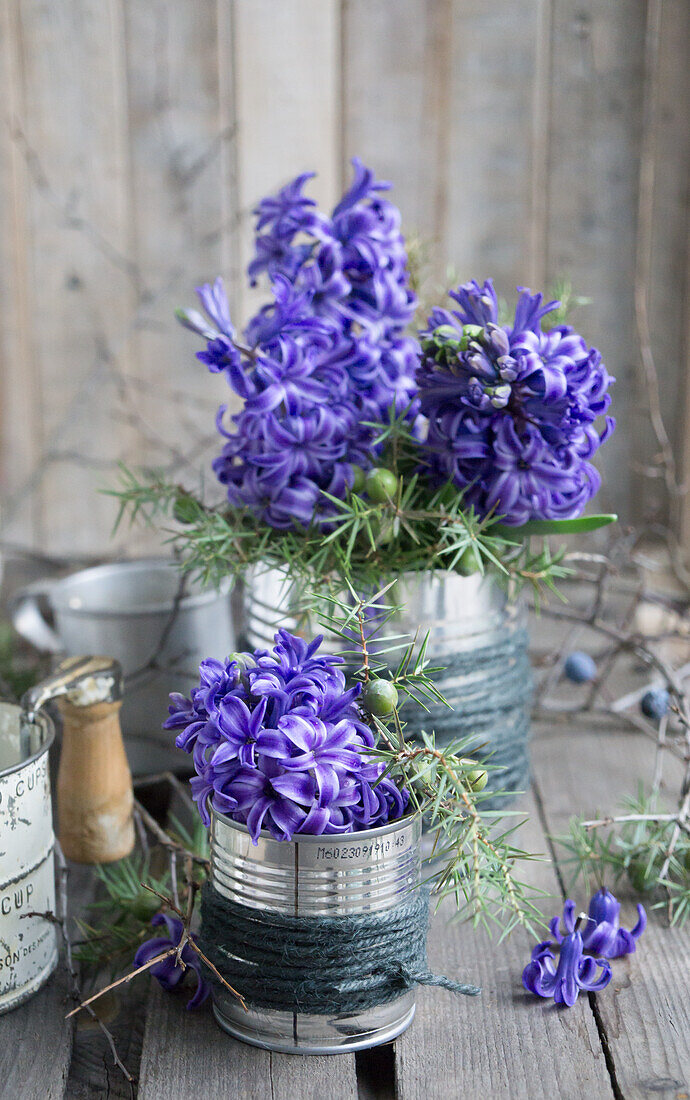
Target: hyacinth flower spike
{"points": [[603, 934], [575, 970]]}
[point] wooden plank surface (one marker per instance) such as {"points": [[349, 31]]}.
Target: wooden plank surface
{"points": [[36, 1044], [491, 145], [92, 1073], [504, 1044], [395, 98], [36, 1041], [645, 1011], [594, 142], [67, 132], [181, 135], [136, 138], [287, 84], [186, 1056], [670, 147], [20, 419]]}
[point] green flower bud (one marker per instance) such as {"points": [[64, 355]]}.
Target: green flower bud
{"points": [[448, 333], [242, 660], [472, 332]]}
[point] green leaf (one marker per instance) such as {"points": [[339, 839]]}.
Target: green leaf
{"points": [[555, 526]]}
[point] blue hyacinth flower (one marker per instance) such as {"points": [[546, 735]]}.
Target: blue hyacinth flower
{"points": [[602, 935], [168, 971], [575, 971]]}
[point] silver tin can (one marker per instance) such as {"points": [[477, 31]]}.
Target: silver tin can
{"points": [[318, 875], [460, 613], [477, 636], [129, 611], [28, 945]]}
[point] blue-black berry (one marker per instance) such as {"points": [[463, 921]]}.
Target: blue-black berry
{"points": [[654, 703], [580, 667]]}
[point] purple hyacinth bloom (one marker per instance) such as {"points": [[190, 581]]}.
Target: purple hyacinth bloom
{"points": [[270, 798], [380, 800], [168, 972], [323, 360], [320, 749], [279, 743], [242, 733], [195, 716], [221, 354], [602, 934], [575, 971], [289, 211], [511, 409]]}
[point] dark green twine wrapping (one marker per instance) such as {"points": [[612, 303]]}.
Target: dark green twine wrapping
{"points": [[490, 690], [319, 965]]}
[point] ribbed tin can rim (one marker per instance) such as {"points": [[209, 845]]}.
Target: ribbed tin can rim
{"points": [[319, 838], [49, 725]]}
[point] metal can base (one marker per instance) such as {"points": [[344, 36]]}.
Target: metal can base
{"points": [[13, 998], [289, 1033]]}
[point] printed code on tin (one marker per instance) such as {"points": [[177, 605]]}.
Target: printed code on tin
{"points": [[371, 850]]}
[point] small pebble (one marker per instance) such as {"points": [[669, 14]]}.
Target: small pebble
{"points": [[580, 668]]}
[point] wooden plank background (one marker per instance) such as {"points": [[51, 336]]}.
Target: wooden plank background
{"points": [[135, 136]]}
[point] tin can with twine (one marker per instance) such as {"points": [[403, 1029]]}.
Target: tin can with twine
{"points": [[324, 936], [478, 637]]}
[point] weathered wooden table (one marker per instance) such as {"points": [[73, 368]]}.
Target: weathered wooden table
{"points": [[631, 1041]]}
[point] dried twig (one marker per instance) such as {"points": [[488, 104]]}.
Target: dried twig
{"points": [[122, 981], [163, 838], [671, 732]]}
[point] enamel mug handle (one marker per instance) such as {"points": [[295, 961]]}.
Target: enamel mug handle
{"points": [[29, 621]]}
